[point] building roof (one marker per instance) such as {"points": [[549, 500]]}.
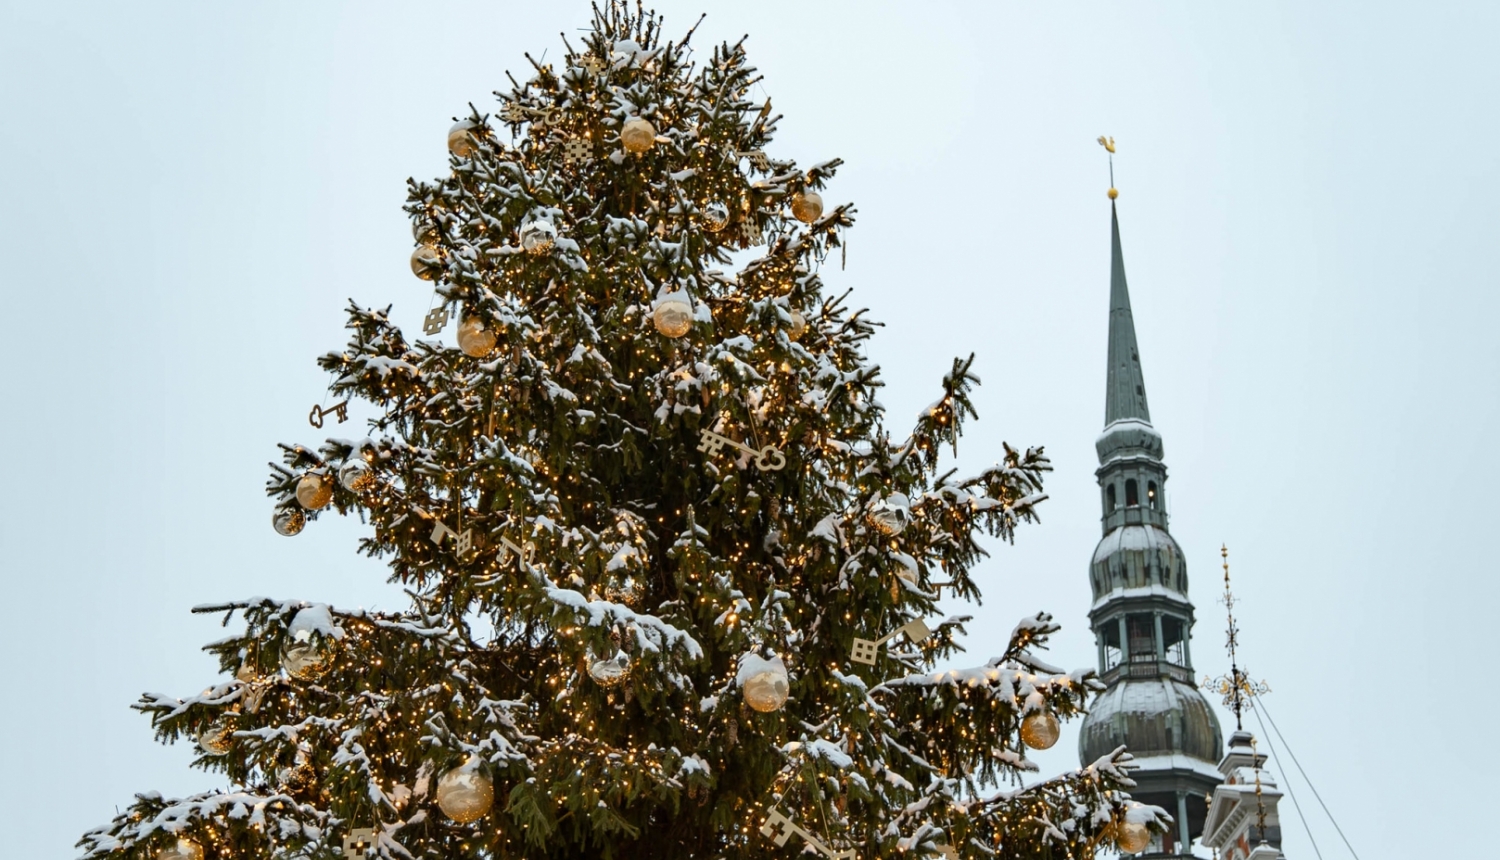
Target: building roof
{"points": [[1126, 393]]}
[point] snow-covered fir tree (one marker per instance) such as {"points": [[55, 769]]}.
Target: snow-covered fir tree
{"points": [[653, 529]]}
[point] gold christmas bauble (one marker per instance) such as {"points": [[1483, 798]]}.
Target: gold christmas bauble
{"points": [[314, 491], [1039, 730], [288, 521], [610, 671], [537, 237], [637, 135], [304, 659], [182, 849], [764, 683], [807, 206], [673, 317], [797, 327], [715, 217], [461, 140], [474, 339], [217, 738], [356, 475], [426, 263], [1132, 838], [464, 794]]}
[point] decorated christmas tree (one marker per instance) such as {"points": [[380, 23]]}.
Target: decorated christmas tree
{"points": [[674, 587]]}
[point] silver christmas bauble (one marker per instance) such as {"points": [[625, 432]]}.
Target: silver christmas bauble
{"points": [[217, 738], [807, 206], [426, 263], [182, 849], [304, 659], [314, 491], [763, 683], [715, 217], [356, 475], [537, 237], [474, 339], [465, 795], [610, 671], [288, 521], [637, 135], [1039, 730], [798, 326], [890, 515], [673, 316], [461, 140]]}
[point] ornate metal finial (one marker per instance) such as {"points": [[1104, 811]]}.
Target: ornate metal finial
{"points": [[1109, 146], [1236, 687]]}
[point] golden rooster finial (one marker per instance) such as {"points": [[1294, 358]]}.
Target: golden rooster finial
{"points": [[1108, 143]]}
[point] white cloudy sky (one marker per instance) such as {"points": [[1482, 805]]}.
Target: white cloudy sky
{"points": [[191, 191]]}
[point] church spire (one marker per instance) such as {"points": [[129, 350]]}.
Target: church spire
{"points": [[1125, 392]]}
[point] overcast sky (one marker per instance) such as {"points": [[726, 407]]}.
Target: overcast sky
{"points": [[192, 191]]}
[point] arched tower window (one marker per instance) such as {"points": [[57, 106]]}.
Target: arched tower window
{"points": [[1132, 494], [1151, 495], [1109, 497]]}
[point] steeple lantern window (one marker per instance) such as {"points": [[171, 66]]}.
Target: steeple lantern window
{"points": [[1132, 493], [1109, 498], [1152, 495], [1142, 633]]}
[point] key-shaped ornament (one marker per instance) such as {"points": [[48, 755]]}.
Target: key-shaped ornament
{"points": [[767, 459], [339, 410], [359, 843], [758, 159], [435, 319], [780, 829], [865, 650], [508, 547]]}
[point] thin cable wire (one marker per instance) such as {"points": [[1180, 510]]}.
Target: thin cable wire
{"points": [[1309, 781], [1289, 791]]}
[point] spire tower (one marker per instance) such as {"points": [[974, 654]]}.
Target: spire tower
{"points": [[1141, 617]]}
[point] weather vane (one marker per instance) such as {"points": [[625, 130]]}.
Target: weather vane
{"points": [[1236, 687], [1109, 146]]}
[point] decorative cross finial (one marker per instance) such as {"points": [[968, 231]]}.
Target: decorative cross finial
{"points": [[1236, 687]]}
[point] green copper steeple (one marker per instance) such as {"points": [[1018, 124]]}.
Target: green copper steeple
{"points": [[1125, 395]]}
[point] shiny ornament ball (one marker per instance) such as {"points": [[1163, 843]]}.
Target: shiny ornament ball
{"points": [[217, 738], [890, 515], [673, 316], [715, 217], [304, 660], [1039, 730], [807, 206], [637, 135], [1132, 838], [461, 140], [1113, 194], [797, 327], [314, 491], [356, 475], [474, 339], [537, 237], [764, 683], [426, 263], [288, 521], [182, 849], [465, 795], [610, 671]]}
